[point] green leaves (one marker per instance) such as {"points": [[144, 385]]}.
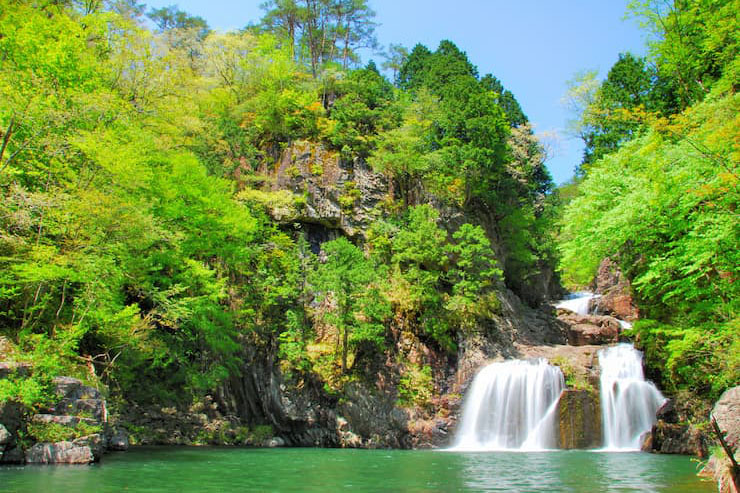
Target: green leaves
{"points": [[665, 206]]}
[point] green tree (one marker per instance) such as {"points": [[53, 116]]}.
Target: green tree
{"points": [[344, 281]]}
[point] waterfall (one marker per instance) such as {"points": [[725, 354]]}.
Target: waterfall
{"points": [[628, 402], [510, 405], [579, 303]]}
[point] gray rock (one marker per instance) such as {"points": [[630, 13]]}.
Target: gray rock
{"points": [[96, 443], [73, 389], [275, 442], [11, 416], [727, 413], [13, 455], [8, 368], [119, 440], [90, 407], [616, 292], [671, 438], [5, 436], [60, 453], [61, 420]]}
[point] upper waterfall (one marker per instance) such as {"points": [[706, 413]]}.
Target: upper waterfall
{"points": [[510, 406], [579, 302]]}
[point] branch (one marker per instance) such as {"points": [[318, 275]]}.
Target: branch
{"points": [[734, 469]]}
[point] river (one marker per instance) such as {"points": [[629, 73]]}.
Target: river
{"points": [[191, 469]]}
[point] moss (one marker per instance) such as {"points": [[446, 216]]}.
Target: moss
{"points": [[350, 195], [573, 378]]}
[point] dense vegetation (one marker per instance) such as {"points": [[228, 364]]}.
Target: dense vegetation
{"points": [[138, 233], [135, 240], [659, 191]]}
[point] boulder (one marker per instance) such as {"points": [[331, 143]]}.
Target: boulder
{"points": [[718, 469], [8, 368], [668, 412], [95, 408], [5, 437], [96, 443], [615, 292], [673, 438], [11, 419], [579, 420], [275, 442], [61, 420], [727, 413], [118, 440], [13, 455], [59, 453], [584, 330], [73, 389]]}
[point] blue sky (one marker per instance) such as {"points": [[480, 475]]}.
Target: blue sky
{"points": [[533, 46]]}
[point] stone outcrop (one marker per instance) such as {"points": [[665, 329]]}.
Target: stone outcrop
{"points": [[60, 453], [578, 417], [615, 292], [338, 194], [727, 413], [583, 330], [673, 434], [676, 438], [11, 420]]}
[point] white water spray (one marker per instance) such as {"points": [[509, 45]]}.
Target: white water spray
{"points": [[628, 402], [510, 405], [579, 303]]}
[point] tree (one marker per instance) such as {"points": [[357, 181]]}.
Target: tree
{"points": [[344, 281], [327, 30], [395, 59], [168, 18], [695, 43]]}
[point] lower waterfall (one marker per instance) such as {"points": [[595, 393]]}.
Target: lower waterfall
{"points": [[510, 405], [628, 402]]}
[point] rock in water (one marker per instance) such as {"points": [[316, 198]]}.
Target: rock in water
{"points": [[579, 420], [59, 453]]}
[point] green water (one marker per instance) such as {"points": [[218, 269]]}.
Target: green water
{"points": [[326, 470]]}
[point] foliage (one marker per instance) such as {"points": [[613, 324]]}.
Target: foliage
{"points": [[319, 32], [416, 386], [664, 204], [353, 305], [140, 234], [55, 432]]}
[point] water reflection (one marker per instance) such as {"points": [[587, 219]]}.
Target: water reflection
{"points": [[577, 471], [322, 470]]}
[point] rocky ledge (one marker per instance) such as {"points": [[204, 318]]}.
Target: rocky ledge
{"points": [[72, 431]]}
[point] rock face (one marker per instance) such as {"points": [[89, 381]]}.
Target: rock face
{"points": [[339, 195], [727, 413], [79, 407], [615, 290], [11, 421], [674, 438], [59, 453], [579, 419], [672, 434], [583, 330]]}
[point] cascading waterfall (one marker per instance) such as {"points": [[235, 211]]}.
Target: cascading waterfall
{"points": [[579, 302], [628, 402], [510, 405]]}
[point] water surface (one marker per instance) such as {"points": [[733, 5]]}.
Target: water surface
{"points": [[165, 469]]}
